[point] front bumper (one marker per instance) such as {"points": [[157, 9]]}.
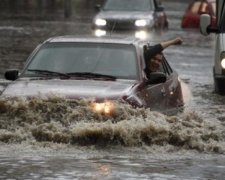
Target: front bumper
{"points": [[139, 34], [116, 24]]}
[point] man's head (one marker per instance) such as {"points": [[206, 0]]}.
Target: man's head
{"points": [[153, 57], [153, 64]]}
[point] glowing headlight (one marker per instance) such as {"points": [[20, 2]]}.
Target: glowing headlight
{"points": [[104, 107], [140, 23], [100, 22], [223, 63], [99, 32], [141, 34]]}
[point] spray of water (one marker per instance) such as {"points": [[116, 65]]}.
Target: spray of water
{"points": [[58, 120]]}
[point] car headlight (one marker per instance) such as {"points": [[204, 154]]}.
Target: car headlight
{"points": [[103, 107], [141, 35], [223, 63], [99, 32], [222, 60], [100, 22], [141, 23]]}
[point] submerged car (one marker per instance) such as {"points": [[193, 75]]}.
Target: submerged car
{"points": [[100, 69], [130, 15], [191, 18]]}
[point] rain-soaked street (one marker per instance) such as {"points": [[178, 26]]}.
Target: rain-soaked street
{"points": [[136, 144]]}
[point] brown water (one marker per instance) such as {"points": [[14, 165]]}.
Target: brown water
{"points": [[59, 121], [57, 139]]}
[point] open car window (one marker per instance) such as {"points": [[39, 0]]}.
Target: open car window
{"points": [[166, 68]]}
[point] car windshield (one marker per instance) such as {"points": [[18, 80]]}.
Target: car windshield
{"points": [[75, 59], [128, 5]]}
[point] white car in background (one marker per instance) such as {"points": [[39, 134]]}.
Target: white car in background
{"points": [[219, 58]]}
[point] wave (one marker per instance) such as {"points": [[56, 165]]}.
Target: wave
{"points": [[61, 121]]}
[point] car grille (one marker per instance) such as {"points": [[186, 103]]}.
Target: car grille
{"points": [[120, 24]]}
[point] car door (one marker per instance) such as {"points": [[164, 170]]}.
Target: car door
{"points": [[165, 97], [172, 87], [156, 95]]}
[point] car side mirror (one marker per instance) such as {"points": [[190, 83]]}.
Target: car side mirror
{"points": [[205, 22], [97, 7], [157, 78], [206, 25], [11, 74]]}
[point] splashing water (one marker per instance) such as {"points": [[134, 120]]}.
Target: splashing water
{"points": [[61, 121]]}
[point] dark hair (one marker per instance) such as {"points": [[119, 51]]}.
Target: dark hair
{"points": [[151, 51]]}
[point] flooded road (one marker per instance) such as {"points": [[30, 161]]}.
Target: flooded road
{"points": [[60, 140]]}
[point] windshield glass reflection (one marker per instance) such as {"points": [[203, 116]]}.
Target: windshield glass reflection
{"points": [[128, 5], [107, 59]]}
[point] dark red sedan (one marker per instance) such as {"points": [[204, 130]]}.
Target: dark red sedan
{"points": [[191, 18], [102, 70]]}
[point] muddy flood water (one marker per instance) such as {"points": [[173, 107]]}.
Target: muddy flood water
{"points": [[57, 139]]}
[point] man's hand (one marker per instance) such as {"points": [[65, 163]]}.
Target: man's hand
{"points": [[177, 41]]}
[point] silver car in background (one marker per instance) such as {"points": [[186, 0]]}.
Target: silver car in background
{"points": [[148, 15]]}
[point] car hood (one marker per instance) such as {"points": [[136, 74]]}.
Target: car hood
{"points": [[124, 15], [71, 89]]}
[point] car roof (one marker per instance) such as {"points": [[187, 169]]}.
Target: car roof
{"points": [[92, 39]]}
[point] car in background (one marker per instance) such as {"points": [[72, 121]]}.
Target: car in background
{"points": [[102, 70], [130, 15], [191, 18]]}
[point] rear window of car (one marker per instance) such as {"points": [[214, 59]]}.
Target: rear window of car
{"points": [[119, 60], [200, 7], [204, 8], [195, 7]]}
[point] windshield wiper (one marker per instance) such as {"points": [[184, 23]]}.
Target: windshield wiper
{"points": [[47, 72], [90, 74]]}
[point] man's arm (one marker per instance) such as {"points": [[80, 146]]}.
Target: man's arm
{"points": [[158, 48], [174, 41]]}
